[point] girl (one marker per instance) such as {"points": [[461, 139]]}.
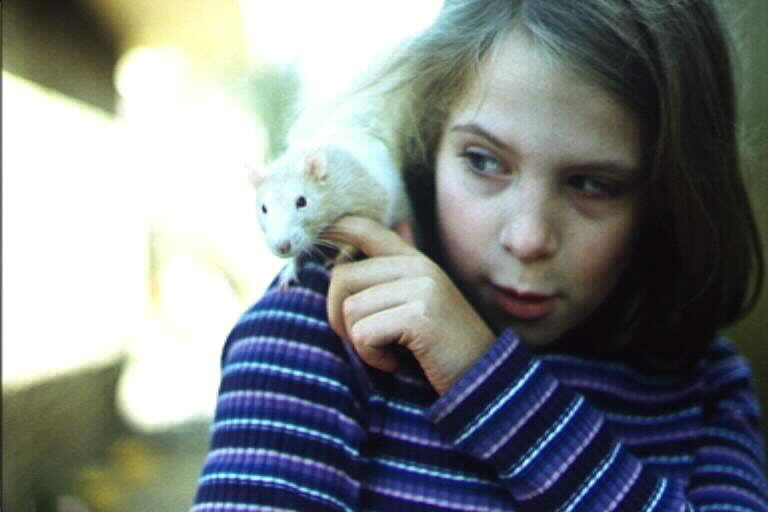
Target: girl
{"points": [[550, 341]]}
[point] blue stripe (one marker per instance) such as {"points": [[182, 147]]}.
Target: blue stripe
{"points": [[491, 409], [230, 368], [279, 482], [594, 477], [545, 439], [279, 314], [660, 487], [279, 425]]}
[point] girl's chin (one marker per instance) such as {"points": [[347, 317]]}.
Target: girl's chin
{"points": [[531, 332]]}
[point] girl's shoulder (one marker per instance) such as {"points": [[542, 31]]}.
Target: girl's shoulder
{"points": [[295, 314], [723, 364], [726, 381], [283, 350]]}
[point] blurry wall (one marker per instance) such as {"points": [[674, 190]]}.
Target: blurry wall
{"points": [[62, 45], [750, 19], [57, 420]]}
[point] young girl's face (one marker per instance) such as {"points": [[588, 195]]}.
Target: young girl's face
{"points": [[537, 195]]}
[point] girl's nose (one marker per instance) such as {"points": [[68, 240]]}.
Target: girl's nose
{"points": [[530, 233]]}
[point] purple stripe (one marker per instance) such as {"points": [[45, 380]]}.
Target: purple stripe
{"points": [[449, 406], [226, 454], [514, 428], [308, 293], [572, 454], [397, 434], [434, 502], [289, 402], [720, 491], [240, 507], [718, 452], [615, 499], [283, 344], [639, 396]]}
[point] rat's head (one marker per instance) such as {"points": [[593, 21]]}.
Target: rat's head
{"points": [[289, 202]]}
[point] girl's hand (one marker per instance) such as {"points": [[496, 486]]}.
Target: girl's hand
{"points": [[398, 295]]}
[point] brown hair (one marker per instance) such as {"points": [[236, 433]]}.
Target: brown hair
{"points": [[698, 264]]}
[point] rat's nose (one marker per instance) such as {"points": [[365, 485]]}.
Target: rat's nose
{"points": [[284, 248]]}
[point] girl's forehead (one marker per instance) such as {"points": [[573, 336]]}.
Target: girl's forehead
{"points": [[526, 97], [520, 64]]}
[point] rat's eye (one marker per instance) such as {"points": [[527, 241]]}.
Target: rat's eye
{"points": [[264, 208], [301, 202]]}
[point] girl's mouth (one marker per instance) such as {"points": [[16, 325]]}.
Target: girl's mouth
{"points": [[523, 305]]}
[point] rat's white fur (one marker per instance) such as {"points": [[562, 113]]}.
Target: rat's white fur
{"points": [[339, 168]]}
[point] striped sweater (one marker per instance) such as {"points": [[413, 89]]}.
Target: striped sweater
{"points": [[302, 424]]}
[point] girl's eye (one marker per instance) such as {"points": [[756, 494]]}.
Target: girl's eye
{"points": [[481, 162], [264, 208], [301, 202], [595, 187]]}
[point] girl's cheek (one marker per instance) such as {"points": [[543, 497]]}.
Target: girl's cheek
{"points": [[459, 215], [608, 257]]}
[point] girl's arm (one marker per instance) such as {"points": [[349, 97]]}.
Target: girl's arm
{"points": [[554, 451], [287, 426]]}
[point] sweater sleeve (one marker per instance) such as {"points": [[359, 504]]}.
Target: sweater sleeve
{"points": [[287, 427], [554, 451]]}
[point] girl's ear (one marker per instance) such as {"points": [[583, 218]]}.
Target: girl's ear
{"points": [[316, 167]]}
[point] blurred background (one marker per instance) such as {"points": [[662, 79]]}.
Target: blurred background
{"points": [[130, 245]]}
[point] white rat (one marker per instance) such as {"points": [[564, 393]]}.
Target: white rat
{"points": [[343, 171]]}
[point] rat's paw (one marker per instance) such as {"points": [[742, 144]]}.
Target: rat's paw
{"points": [[289, 275]]}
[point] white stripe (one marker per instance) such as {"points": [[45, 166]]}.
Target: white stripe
{"points": [[542, 443], [239, 422], [293, 459], [429, 471], [478, 380], [289, 315], [277, 482], [291, 345], [396, 434], [511, 431], [596, 475], [227, 506], [656, 496], [269, 395], [492, 408], [235, 367], [435, 502]]}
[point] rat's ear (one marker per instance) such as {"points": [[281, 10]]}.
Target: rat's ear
{"points": [[256, 174], [316, 167]]}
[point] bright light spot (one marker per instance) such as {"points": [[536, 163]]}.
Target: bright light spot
{"points": [[165, 67], [189, 139], [334, 40], [74, 254]]}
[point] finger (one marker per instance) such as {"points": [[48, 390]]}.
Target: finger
{"points": [[351, 278], [371, 237], [405, 230], [338, 291], [362, 274], [381, 358], [372, 300], [372, 335]]}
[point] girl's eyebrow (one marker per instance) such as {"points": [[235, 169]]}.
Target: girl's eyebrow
{"points": [[481, 132], [608, 166]]}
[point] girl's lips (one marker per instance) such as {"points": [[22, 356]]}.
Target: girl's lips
{"points": [[523, 305]]}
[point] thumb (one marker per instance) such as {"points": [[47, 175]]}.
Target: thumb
{"points": [[405, 230]]}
